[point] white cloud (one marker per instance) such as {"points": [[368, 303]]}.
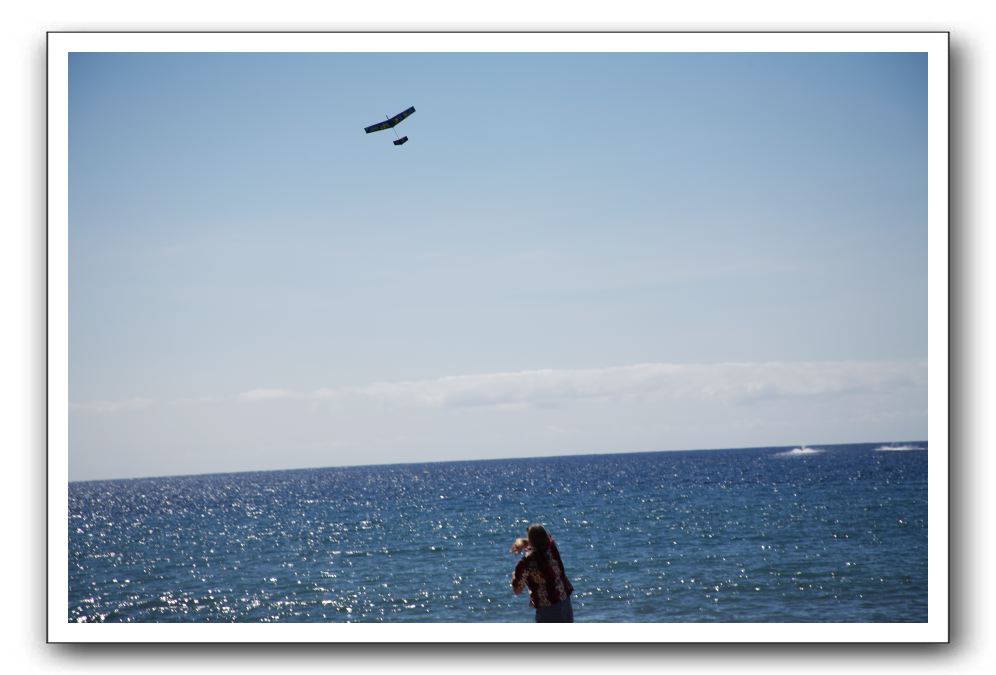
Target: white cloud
{"points": [[729, 382], [739, 383], [106, 407], [751, 382], [269, 395], [529, 387], [195, 400]]}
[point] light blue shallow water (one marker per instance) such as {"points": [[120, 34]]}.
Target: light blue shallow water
{"points": [[758, 535]]}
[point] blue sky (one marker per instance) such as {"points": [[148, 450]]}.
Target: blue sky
{"points": [[573, 253]]}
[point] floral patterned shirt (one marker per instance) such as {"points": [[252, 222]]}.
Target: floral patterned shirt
{"points": [[544, 574]]}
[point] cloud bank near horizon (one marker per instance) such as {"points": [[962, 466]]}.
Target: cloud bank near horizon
{"points": [[728, 382], [634, 408], [738, 383]]}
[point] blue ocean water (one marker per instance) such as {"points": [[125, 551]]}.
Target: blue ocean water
{"points": [[828, 534]]}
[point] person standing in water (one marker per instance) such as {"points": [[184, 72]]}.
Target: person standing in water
{"points": [[542, 570]]}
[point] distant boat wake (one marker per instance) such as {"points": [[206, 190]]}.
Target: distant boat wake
{"points": [[905, 447], [800, 452]]}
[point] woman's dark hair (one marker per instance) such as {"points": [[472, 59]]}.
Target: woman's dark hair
{"points": [[539, 538]]}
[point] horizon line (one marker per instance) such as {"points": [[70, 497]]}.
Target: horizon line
{"points": [[489, 459]]}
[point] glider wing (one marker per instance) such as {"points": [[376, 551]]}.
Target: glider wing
{"points": [[393, 122]]}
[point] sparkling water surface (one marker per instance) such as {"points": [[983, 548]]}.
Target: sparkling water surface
{"points": [[821, 534]]}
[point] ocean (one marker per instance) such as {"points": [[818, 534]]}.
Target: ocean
{"points": [[822, 534]]}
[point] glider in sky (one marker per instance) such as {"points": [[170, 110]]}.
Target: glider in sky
{"points": [[390, 123]]}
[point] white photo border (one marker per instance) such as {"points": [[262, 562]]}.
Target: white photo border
{"points": [[934, 44]]}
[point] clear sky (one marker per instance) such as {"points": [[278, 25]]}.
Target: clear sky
{"points": [[573, 253]]}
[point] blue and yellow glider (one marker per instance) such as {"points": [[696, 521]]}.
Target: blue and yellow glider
{"points": [[390, 123]]}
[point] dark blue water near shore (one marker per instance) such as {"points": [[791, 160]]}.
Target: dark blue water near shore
{"points": [[836, 534]]}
